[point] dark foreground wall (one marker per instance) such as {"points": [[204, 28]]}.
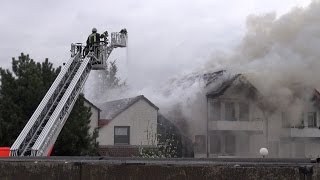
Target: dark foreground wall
{"points": [[155, 170]]}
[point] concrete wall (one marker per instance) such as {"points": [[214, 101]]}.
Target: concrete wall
{"points": [[97, 170], [142, 119]]}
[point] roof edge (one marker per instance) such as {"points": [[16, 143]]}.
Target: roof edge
{"points": [[133, 102]]}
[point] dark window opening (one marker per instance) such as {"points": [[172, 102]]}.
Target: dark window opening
{"points": [[230, 113], [230, 144], [121, 135], [215, 109], [244, 112], [200, 144], [285, 120], [312, 119], [215, 144]]}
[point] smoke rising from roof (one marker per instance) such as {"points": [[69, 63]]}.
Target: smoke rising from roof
{"points": [[278, 55]]}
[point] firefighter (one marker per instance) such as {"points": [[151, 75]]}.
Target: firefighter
{"points": [[93, 42], [93, 38]]}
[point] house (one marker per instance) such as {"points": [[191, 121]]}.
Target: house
{"points": [[126, 124], [239, 122]]}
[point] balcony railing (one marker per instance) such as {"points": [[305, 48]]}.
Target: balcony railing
{"points": [[304, 132], [237, 125]]}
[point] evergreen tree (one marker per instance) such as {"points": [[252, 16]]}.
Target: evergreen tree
{"points": [[20, 93]]}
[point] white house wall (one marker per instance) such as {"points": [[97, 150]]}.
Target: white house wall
{"points": [[142, 119]]}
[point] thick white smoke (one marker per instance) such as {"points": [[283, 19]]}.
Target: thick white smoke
{"points": [[280, 56]]}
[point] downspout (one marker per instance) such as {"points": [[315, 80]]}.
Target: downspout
{"points": [[266, 129], [207, 127]]}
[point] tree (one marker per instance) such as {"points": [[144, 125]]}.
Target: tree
{"points": [[20, 93]]}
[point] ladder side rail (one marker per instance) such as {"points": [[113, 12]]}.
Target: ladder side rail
{"points": [[57, 116], [65, 114], [52, 107], [34, 120]]}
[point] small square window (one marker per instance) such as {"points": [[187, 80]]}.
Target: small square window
{"points": [[121, 135]]}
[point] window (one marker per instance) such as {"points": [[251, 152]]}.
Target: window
{"points": [[215, 111], [285, 120], [121, 135], [200, 144], [301, 123], [274, 148], [244, 112], [230, 144], [299, 149], [215, 144], [312, 119], [230, 113]]}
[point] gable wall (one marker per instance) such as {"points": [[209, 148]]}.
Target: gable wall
{"points": [[142, 119]]}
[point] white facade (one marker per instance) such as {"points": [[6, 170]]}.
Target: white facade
{"points": [[235, 128], [238, 127], [141, 117]]}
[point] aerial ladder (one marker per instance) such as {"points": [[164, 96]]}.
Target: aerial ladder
{"points": [[41, 131]]}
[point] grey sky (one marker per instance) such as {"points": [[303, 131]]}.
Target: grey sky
{"points": [[165, 36]]}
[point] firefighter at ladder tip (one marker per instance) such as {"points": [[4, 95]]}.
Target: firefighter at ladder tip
{"points": [[93, 42]]}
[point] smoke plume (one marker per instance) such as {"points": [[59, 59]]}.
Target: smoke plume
{"points": [[278, 55]]}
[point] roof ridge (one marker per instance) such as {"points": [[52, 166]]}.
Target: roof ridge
{"points": [[122, 99], [111, 109]]}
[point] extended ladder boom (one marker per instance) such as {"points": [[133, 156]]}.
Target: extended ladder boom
{"points": [[57, 120], [41, 131], [27, 137]]}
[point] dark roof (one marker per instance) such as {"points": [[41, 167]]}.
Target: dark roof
{"points": [[112, 109], [211, 77], [86, 100], [226, 82]]}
